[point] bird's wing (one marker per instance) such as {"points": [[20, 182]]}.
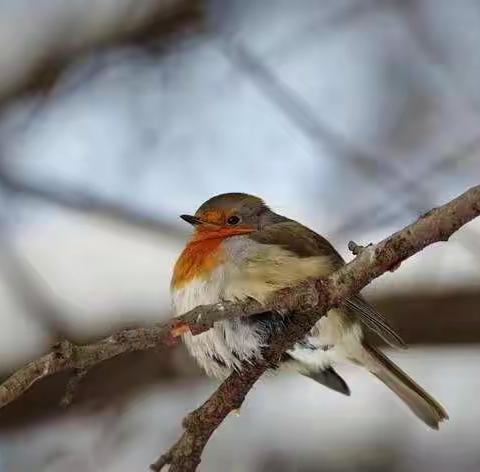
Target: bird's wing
{"points": [[374, 320], [299, 240], [304, 242]]}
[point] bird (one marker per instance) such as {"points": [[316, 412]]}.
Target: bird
{"points": [[241, 249]]}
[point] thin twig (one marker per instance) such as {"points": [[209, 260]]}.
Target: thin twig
{"points": [[355, 248], [156, 21], [28, 289], [378, 215], [72, 387], [82, 200]]}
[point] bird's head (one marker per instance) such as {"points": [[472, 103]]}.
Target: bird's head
{"points": [[221, 217], [229, 214]]}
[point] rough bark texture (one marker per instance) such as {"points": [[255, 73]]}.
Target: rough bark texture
{"points": [[199, 425], [309, 300], [426, 318]]}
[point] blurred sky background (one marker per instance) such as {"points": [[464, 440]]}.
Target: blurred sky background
{"points": [[352, 116]]}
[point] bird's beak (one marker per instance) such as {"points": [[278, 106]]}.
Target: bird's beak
{"points": [[193, 220]]}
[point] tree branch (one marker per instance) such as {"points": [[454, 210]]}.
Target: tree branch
{"points": [[46, 55], [67, 355], [437, 225], [26, 288], [83, 201], [309, 301]]}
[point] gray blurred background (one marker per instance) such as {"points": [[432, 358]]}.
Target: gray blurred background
{"points": [[352, 116]]}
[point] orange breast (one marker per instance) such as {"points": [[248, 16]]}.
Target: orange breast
{"points": [[198, 259]]}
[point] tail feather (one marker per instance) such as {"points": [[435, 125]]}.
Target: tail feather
{"points": [[415, 397]]}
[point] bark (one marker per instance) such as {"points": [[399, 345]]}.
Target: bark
{"points": [[309, 301]]}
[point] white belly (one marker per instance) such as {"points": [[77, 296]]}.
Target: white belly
{"points": [[229, 343]]}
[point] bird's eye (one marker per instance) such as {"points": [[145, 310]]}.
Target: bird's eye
{"points": [[233, 220]]}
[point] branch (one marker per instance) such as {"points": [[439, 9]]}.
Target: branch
{"points": [[309, 301], [83, 201], [377, 214], [67, 355], [26, 288], [45, 54], [372, 261]]}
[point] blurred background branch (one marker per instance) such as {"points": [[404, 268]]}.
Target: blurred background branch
{"points": [[83, 201], [352, 116], [90, 26], [24, 284]]}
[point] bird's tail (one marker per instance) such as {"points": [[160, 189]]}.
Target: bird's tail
{"points": [[415, 397]]}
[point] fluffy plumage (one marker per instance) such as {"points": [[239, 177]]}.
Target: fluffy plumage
{"points": [[256, 253]]}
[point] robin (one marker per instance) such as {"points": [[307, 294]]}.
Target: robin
{"points": [[241, 248]]}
